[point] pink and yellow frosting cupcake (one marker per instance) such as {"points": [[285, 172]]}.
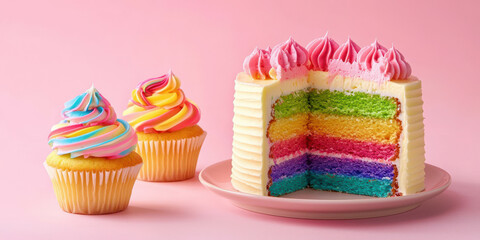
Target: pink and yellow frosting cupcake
{"points": [[93, 166], [169, 139]]}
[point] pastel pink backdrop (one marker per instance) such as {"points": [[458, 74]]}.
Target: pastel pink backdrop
{"points": [[51, 51]]}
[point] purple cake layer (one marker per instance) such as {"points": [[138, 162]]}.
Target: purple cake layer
{"points": [[290, 167], [350, 167]]}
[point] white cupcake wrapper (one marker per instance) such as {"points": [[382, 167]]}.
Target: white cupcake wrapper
{"points": [[169, 160], [92, 192]]}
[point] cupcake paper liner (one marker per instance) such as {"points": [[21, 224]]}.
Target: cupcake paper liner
{"points": [[93, 192], [169, 160]]}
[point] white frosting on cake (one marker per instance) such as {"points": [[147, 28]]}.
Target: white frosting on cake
{"points": [[252, 107]]}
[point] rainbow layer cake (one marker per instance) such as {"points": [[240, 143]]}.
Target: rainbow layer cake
{"points": [[329, 117]]}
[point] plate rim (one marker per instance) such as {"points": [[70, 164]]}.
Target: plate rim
{"points": [[423, 194]]}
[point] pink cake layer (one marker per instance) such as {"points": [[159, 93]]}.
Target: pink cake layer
{"points": [[355, 148], [284, 148]]}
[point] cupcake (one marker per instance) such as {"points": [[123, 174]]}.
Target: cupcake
{"points": [[93, 165], [169, 139]]}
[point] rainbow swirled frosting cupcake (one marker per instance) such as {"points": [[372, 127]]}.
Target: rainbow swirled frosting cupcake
{"points": [[169, 139], [93, 166]]}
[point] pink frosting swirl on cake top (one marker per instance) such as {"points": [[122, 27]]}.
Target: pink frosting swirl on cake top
{"points": [[288, 55], [370, 55], [257, 64], [289, 60], [347, 52], [320, 52], [395, 66]]}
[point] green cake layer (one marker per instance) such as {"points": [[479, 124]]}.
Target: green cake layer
{"points": [[355, 185], [337, 103], [292, 104], [352, 104]]}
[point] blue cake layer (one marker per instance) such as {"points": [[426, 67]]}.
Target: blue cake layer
{"points": [[347, 184], [350, 167], [289, 184]]}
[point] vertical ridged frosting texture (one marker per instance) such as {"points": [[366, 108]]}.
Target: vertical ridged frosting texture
{"points": [[159, 105], [91, 128], [412, 152], [320, 52], [252, 107], [247, 149]]}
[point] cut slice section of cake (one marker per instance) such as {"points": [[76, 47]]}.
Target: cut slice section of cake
{"points": [[366, 136]]}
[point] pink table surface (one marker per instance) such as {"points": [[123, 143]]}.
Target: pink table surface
{"points": [[51, 51]]}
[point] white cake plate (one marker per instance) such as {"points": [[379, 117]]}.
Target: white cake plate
{"points": [[315, 204]]}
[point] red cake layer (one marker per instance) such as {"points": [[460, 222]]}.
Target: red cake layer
{"points": [[286, 147], [361, 149]]}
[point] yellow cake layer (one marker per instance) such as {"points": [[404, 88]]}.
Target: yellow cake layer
{"points": [[65, 162], [385, 131], [286, 128]]}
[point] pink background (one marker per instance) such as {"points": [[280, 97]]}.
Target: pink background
{"points": [[51, 52]]}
